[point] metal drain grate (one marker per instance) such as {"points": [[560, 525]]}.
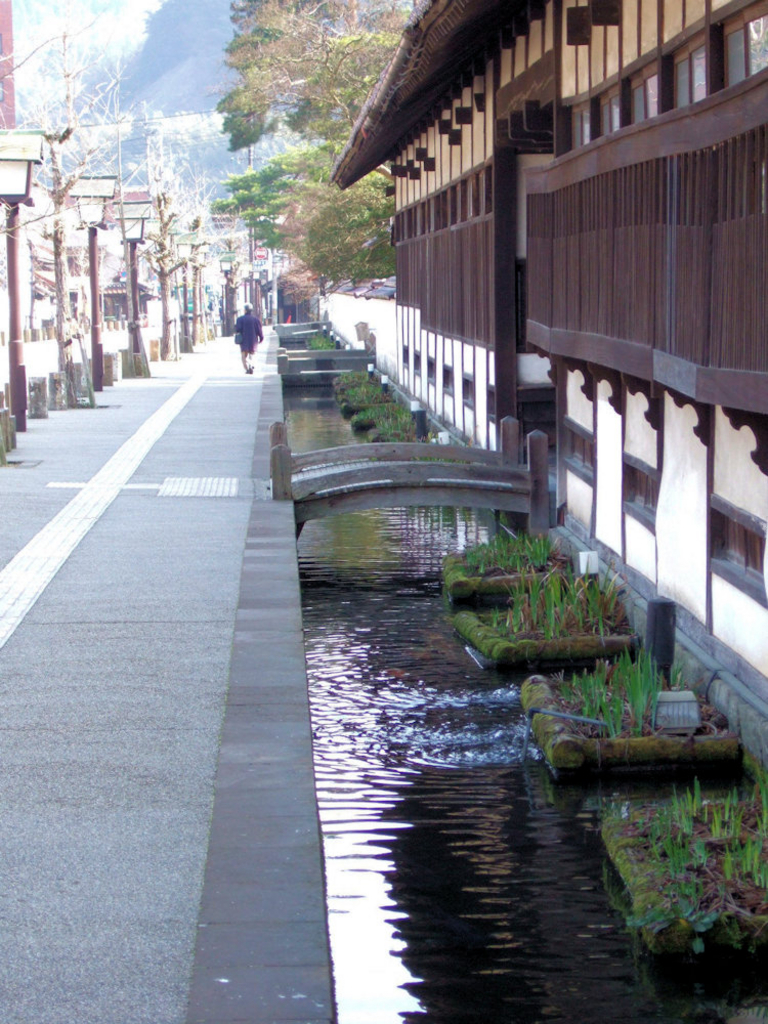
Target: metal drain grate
{"points": [[199, 487]]}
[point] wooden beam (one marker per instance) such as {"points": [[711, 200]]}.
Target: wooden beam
{"points": [[504, 305], [385, 451]]}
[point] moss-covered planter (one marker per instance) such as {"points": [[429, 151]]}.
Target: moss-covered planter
{"points": [[460, 586], [566, 751], [534, 652], [646, 883]]}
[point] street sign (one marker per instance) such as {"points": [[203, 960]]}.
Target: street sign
{"points": [[261, 254]]}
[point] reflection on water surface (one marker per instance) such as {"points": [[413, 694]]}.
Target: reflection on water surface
{"points": [[462, 886]]}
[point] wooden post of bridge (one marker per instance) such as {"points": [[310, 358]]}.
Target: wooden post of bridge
{"points": [[280, 472], [538, 467], [278, 433], [280, 462], [510, 440]]}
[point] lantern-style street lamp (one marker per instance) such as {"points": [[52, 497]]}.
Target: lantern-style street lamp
{"points": [[92, 194], [19, 150], [135, 216]]}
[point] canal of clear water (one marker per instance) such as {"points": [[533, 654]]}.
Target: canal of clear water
{"points": [[463, 885]]}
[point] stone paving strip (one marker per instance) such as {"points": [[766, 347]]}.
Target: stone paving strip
{"points": [[27, 575]]}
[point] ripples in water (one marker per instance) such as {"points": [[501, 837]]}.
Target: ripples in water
{"points": [[462, 886]]}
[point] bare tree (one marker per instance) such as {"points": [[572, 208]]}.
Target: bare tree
{"points": [[164, 260], [70, 152]]}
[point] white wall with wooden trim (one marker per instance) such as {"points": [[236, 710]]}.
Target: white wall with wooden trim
{"points": [[346, 311], [681, 514], [640, 438], [579, 407], [579, 496], [736, 477], [740, 622], [640, 548], [608, 489]]}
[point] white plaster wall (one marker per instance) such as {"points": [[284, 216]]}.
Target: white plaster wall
{"points": [[579, 499], [681, 515], [608, 511], [639, 435], [481, 399], [533, 368], [380, 314], [740, 622], [579, 406], [640, 548], [737, 478]]}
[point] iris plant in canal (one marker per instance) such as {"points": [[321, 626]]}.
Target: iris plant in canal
{"points": [[695, 864]]}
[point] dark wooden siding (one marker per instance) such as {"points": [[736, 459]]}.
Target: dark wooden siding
{"points": [[445, 262], [668, 253]]}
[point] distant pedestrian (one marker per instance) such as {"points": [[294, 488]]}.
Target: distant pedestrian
{"points": [[248, 334]]}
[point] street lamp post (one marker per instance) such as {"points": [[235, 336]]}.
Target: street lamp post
{"points": [[200, 248], [92, 194], [184, 251], [134, 217], [18, 152]]}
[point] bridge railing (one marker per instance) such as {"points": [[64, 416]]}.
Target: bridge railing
{"points": [[412, 467]]}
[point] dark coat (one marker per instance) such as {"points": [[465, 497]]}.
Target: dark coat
{"points": [[249, 326]]}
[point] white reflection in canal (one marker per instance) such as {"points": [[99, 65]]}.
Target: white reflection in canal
{"points": [[369, 974]]}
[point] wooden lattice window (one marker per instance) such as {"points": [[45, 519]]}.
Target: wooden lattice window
{"points": [[737, 548], [579, 450], [640, 487]]}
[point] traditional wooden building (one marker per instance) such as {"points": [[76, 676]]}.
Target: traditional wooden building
{"points": [[588, 180]]}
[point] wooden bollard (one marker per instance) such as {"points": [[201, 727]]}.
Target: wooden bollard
{"points": [[5, 429], [38, 398], [538, 466], [126, 360], [278, 433], [510, 440], [110, 361], [57, 390], [280, 472]]}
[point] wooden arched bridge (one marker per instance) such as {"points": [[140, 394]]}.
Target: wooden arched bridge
{"points": [[377, 475]]}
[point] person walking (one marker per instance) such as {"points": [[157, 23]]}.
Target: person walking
{"points": [[248, 334]]}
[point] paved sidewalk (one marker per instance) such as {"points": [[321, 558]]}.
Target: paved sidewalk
{"points": [[160, 858]]}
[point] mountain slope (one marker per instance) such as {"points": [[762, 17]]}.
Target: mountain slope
{"points": [[180, 67]]}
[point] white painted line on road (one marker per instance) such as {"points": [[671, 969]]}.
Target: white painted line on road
{"points": [[64, 486], [27, 575]]}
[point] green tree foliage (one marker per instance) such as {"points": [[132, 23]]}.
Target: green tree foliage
{"points": [[290, 205], [306, 67]]}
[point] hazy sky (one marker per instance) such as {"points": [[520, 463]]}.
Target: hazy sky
{"points": [[115, 25]]}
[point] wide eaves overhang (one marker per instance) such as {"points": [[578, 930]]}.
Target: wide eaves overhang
{"points": [[438, 43]]}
